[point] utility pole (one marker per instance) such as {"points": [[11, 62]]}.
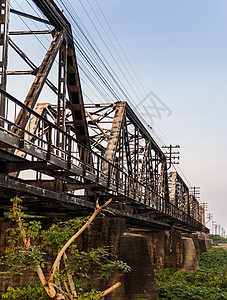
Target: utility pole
{"points": [[171, 156], [209, 218], [213, 227], [203, 210], [195, 191], [219, 229], [205, 206]]}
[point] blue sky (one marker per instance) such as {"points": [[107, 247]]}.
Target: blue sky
{"points": [[178, 49]]}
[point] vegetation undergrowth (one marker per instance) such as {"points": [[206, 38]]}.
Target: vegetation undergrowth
{"points": [[208, 283], [217, 239]]}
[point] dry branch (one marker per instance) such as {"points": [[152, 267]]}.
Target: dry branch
{"points": [[70, 278], [49, 285], [75, 236], [109, 290]]}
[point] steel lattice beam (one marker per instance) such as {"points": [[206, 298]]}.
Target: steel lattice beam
{"points": [[41, 75], [4, 27], [113, 154], [58, 20]]}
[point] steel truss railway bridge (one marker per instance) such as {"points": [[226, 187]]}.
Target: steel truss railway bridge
{"points": [[73, 153]]}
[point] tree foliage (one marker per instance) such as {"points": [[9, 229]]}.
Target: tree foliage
{"points": [[73, 271]]}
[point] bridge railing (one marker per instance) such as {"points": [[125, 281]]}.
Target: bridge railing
{"points": [[42, 139]]}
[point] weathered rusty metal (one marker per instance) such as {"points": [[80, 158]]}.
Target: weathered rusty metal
{"points": [[110, 152], [97, 150], [76, 104], [41, 75], [4, 36], [179, 192]]}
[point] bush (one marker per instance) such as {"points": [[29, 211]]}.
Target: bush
{"points": [[175, 291], [214, 260], [208, 283], [217, 239]]}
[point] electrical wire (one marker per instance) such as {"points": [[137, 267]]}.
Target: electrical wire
{"points": [[105, 68]]}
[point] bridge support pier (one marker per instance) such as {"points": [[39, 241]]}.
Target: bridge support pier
{"points": [[111, 232], [190, 261], [142, 250], [132, 249], [140, 283], [195, 239], [165, 247], [202, 243]]}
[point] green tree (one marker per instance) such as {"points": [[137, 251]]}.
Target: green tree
{"points": [[72, 270]]}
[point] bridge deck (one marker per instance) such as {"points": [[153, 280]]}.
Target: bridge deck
{"points": [[75, 165]]}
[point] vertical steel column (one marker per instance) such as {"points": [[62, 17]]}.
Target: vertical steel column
{"points": [[187, 202], [150, 168], [127, 147], [173, 190], [62, 81], [136, 152], [4, 29], [136, 160], [121, 150], [113, 142], [62, 71]]}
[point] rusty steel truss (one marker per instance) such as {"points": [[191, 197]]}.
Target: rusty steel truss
{"points": [[76, 152]]}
